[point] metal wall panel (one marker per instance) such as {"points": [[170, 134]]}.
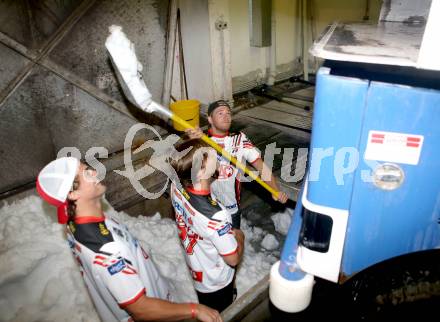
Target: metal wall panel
{"points": [[31, 23], [77, 119], [11, 64], [82, 51], [46, 110], [25, 142]]}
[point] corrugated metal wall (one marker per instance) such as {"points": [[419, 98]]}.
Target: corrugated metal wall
{"points": [[57, 86]]}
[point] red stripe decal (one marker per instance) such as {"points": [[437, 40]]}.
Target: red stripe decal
{"points": [[100, 263], [134, 299], [232, 253]]}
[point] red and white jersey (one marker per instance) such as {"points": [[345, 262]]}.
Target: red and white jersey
{"points": [[206, 234], [226, 189], [116, 269]]}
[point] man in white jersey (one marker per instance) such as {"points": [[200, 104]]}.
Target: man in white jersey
{"points": [[123, 282], [212, 247], [226, 188]]}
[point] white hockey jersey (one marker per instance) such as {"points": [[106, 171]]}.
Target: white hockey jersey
{"points": [[205, 233], [226, 188], [116, 269]]}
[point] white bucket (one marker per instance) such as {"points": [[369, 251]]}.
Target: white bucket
{"points": [[290, 296]]}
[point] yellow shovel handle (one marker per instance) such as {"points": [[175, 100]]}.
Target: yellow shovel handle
{"points": [[228, 156]]}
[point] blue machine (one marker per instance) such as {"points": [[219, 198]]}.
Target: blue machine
{"points": [[372, 191]]}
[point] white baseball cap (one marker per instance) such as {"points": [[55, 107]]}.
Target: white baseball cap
{"points": [[55, 181]]}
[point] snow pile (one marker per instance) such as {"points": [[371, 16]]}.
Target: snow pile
{"points": [[270, 242], [255, 265], [282, 221], [39, 279]]}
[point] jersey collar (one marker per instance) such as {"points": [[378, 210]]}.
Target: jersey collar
{"points": [[198, 192], [216, 135], [89, 219]]}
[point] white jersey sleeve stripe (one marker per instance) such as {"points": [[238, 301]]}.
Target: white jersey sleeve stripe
{"points": [[133, 300], [258, 158], [231, 253]]}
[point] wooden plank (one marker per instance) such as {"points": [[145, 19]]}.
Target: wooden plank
{"points": [[308, 92], [302, 95], [286, 108], [305, 136], [279, 117], [298, 102], [248, 301]]}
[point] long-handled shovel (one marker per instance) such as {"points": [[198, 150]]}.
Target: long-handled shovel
{"points": [[128, 70]]}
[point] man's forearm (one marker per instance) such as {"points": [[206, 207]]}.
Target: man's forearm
{"points": [[268, 177], [239, 236], [266, 174], [273, 183], [151, 309]]}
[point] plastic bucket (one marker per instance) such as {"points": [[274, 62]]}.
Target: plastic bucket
{"points": [[187, 110]]}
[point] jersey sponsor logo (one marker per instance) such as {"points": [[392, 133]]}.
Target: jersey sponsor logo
{"points": [[212, 201], [182, 212], [225, 171], [103, 229], [72, 226], [231, 206], [185, 194], [177, 194], [178, 207], [189, 209], [224, 230], [116, 267]]}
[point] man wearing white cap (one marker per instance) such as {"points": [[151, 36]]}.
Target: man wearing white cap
{"points": [[122, 280]]}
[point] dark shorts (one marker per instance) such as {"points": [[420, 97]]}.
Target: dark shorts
{"points": [[218, 300], [236, 219]]}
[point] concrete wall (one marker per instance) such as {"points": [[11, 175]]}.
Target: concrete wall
{"points": [[218, 63], [206, 49], [250, 64], [197, 49]]}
